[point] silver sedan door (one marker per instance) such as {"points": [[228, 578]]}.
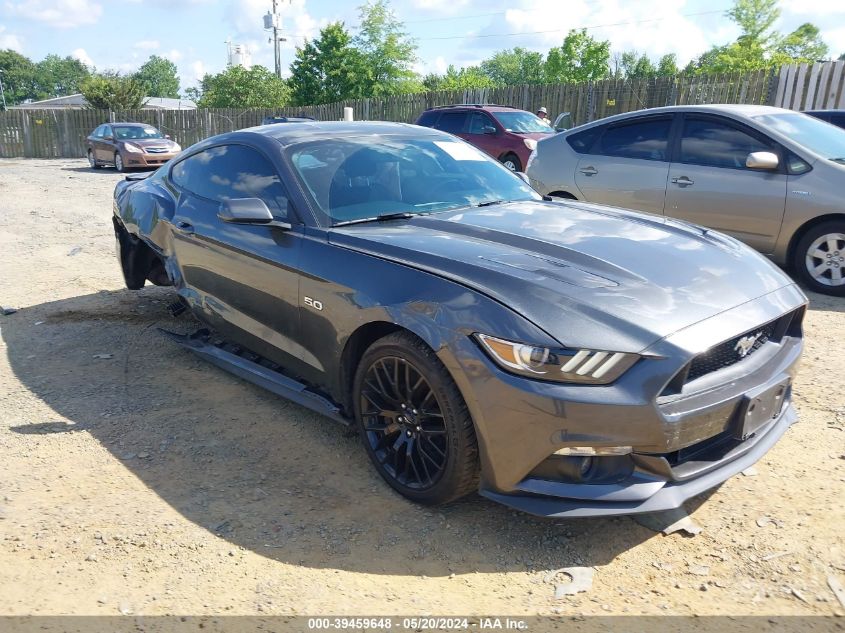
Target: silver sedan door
{"points": [[711, 185], [628, 165]]}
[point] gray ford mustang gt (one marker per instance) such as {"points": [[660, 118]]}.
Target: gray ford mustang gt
{"points": [[561, 358]]}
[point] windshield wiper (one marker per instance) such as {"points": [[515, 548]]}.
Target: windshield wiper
{"points": [[490, 203], [382, 217]]}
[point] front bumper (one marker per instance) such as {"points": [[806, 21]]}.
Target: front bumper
{"points": [[683, 443], [131, 159]]}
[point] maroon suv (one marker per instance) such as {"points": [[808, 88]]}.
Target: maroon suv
{"points": [[507, 134]]}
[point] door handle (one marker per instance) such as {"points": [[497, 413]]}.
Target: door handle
{"points": [[589, 171], [184, 227], [683, 181]]}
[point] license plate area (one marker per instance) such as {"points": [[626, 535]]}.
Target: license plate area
{"points": [[759, 407]]}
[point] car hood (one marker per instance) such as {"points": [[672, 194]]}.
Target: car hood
{"points": [[590, 276]]}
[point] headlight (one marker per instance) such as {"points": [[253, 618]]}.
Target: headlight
{"points": [[558, 364], [176, 147], [530, 143], [129, 147]]}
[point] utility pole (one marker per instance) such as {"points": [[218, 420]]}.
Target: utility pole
{"points": [[277, 53], [271, 22]]}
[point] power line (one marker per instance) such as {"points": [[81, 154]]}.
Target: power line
{"points": [[577, 28]]}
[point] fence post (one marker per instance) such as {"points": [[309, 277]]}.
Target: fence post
{"points": [[589, 101]]}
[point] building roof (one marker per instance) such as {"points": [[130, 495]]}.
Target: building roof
{"points": [[78, 101]]}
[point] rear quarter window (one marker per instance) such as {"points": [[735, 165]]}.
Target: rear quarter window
{"points": [[583, 141], [427, 119], [452, 122]]}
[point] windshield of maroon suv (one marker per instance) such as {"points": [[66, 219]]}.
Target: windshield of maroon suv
{"points": [[521, 122], [354, 179]]}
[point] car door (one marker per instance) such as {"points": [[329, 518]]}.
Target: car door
{"points": [[97, 142], [243, 278], [483, 133], [628, 164], [709, 183]]}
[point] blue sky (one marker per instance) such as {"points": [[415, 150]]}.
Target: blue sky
{"points": [[122, 34]]}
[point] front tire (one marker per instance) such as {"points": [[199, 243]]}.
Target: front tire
{"points": [[819, 258], [118, 162], [512, 162], [413, 421]]}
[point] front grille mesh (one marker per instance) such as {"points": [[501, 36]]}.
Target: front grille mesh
{"points": [[727, 353]]}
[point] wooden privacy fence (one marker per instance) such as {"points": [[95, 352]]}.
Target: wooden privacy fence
{"points": [[819, 86], [62, 133]]}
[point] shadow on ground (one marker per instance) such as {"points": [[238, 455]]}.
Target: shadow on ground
{"points": [[255, 469]]}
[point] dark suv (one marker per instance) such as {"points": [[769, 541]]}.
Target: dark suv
{"points": [[837, 117], [507, 134]]}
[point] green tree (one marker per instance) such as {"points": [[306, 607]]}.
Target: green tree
{"points": [[758, 46], [18, 76], [636, 66], [59, 76], [514, 67], [239, 87], [580, 58], [388, 53], [327, 69], [111, 91], [159, 77], [842, 57], [804, 43], [667, 66], [468, 78]]}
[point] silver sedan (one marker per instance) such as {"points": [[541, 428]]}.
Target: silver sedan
{"points": [[769, 177]]}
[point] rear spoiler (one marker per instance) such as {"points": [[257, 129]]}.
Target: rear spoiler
{"points": [[139, 176]]}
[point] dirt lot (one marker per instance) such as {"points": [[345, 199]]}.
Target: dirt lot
{"points": [[136, 478]]}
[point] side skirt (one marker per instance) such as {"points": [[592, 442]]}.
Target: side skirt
{"points": [[256, 370]]}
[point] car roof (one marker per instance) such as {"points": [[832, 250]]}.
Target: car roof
{"points": [[823, 111], [491, 107], [735, 110], [130, 124], [303, 131]]}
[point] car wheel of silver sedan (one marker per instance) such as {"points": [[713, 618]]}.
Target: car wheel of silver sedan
{"points": [[820, 258]]}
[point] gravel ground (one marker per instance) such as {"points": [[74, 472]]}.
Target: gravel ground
{"points": [[136, 478]]}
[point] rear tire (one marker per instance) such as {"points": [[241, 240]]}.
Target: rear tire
{"points": [[134, 256], [413, 421], [819, 258], [93, 163], [512, 162]]}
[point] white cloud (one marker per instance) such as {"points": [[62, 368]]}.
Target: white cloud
{"points": [[448, 7], [173, 55], [82, 56], [146, 45], [815, 9], [62, 14], [10, 40]]}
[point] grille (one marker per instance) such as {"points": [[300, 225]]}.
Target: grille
{"points": [[156, 150], [728, 353]]}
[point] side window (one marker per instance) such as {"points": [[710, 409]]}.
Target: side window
{"points": [[427, 119], [648, 139], [232, 171], [582, 142], [98, 133], [478, 121], [716, 144], [452, 122]]}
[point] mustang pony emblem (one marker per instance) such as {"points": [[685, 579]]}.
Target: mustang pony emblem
{"points": [[746, 344]]}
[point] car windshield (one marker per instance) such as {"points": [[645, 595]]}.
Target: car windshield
{"points": [[355, 179], [136, 132], [822, 138], [522, 122]]}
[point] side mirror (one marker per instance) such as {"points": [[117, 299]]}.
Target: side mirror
{"points": [[488, 129], [108, 137], [762, 160], [167, 136], [248, 211]]}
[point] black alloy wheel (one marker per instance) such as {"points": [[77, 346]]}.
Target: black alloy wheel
{"points": [[413, 421]]}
